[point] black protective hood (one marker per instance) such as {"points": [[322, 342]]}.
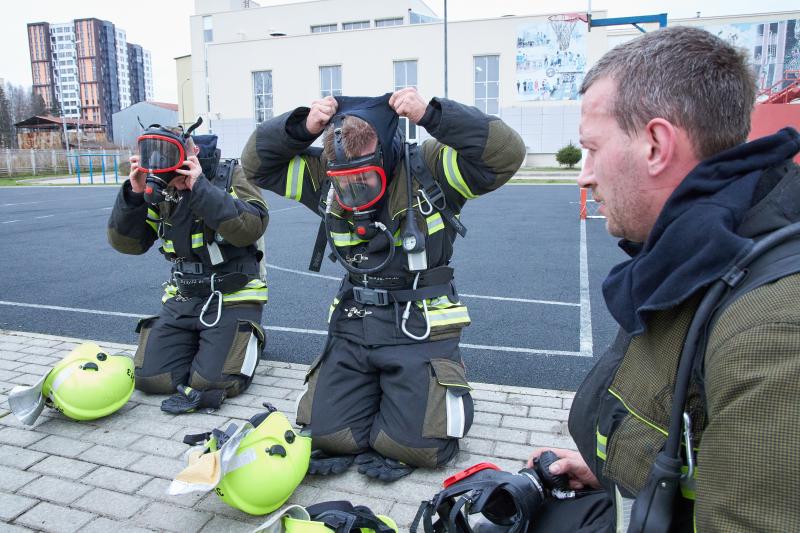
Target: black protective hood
{"points": [[208, 154], [375, 111]]}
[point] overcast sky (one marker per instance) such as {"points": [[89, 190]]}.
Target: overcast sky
{"points": [[162, 26]]}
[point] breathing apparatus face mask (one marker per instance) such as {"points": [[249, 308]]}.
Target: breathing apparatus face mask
{"points": [[161, 152], [359, 182]]}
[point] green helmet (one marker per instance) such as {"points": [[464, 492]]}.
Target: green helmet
{"points": [[88, 383], [274, 461]]}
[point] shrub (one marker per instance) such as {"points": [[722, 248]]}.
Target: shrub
{"points": [[570, 155]]}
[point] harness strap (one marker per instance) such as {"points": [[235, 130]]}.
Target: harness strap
{"points": [[433, 191]]}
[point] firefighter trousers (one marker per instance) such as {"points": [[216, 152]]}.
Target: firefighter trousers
{"points": [[409, 402], [175, 348]]}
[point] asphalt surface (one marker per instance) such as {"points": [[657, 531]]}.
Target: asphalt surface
{"points": [[523, 243]]}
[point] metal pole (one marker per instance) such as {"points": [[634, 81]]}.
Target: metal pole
{"points": [[91, 168], [116, 168], [33, 162], [103, 159], [445, 48], [78, 167]]}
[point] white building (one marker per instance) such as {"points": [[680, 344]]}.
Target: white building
{"points": [[148, 75], [250, 63], [122, 69], [65, 68]]}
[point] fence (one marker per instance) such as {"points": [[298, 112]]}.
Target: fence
{"points": [[56, 162]]}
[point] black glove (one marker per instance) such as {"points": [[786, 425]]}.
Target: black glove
{"points": [[324, 465], [374, 465], [187, 400]]}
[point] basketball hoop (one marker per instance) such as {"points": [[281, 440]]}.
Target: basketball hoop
{"points": [[563, 24]]}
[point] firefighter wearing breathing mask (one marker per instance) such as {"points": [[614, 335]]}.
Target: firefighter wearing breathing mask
{"points": [[208, 220], [389, 391]]}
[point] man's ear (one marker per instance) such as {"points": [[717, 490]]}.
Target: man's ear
{"points": [[662, 138]]}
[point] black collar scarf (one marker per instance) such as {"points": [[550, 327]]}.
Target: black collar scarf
{"points": [[694, 239]]}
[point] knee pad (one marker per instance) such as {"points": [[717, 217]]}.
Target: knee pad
{"points": [[233, 387], [442, 451], [158, 384], [341, 442]]}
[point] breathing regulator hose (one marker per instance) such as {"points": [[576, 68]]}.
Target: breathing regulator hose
{"points": [[376, 224]]}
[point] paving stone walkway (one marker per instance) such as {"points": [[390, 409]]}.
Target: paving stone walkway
{"points": [[111, 474]]}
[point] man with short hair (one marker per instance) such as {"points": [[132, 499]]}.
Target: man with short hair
{"points": [[205, 343], [664, 120], [389, 391]]}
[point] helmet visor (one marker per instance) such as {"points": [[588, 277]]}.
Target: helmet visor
{"points": [[358, 188], [159, 154]]}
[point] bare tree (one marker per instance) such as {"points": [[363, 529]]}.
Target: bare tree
{"points": [[7, 137]]}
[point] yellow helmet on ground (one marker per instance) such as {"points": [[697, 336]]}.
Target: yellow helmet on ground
{"points": [[85, 385], [277, 463]]}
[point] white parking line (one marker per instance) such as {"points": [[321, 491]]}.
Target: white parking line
{"points": [[9, 221], [45, 216], [587, 344], [288, 330]]}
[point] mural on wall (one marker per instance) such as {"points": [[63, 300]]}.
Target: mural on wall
{"points": [[773, 46], [551, 59]]}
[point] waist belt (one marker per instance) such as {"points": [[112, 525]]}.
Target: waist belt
{"points": [[191, 286], [189, 267], [432, 284]]}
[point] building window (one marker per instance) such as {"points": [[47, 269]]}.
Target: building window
{"points": [[405, 75], [487, 84], [324, 28], [360, 25], [262, 94], [380, 23], [330, 80], [208, 29]]}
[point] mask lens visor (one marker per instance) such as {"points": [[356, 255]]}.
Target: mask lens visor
{"points": [[358, 188], [160, 154]]}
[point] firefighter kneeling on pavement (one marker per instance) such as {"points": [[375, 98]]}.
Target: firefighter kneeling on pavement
{"points": [[205, 343], [389, 391]]}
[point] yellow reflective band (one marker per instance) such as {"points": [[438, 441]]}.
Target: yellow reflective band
{"points": [[332, 308], [435, 223], [294, 178], [453, 174], [255, 290], [345, 239], [152, 214], [152, 225], [197, 240], [688, 486], [169, 292], [602, 440], [453, 315], [167, 246]]}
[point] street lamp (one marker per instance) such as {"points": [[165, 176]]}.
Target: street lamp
{"points": [[183, 101]]}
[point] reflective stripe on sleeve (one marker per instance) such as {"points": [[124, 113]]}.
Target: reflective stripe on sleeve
{"points": [[453, 174], [601, 445], [294, 178], [197, 240]]}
